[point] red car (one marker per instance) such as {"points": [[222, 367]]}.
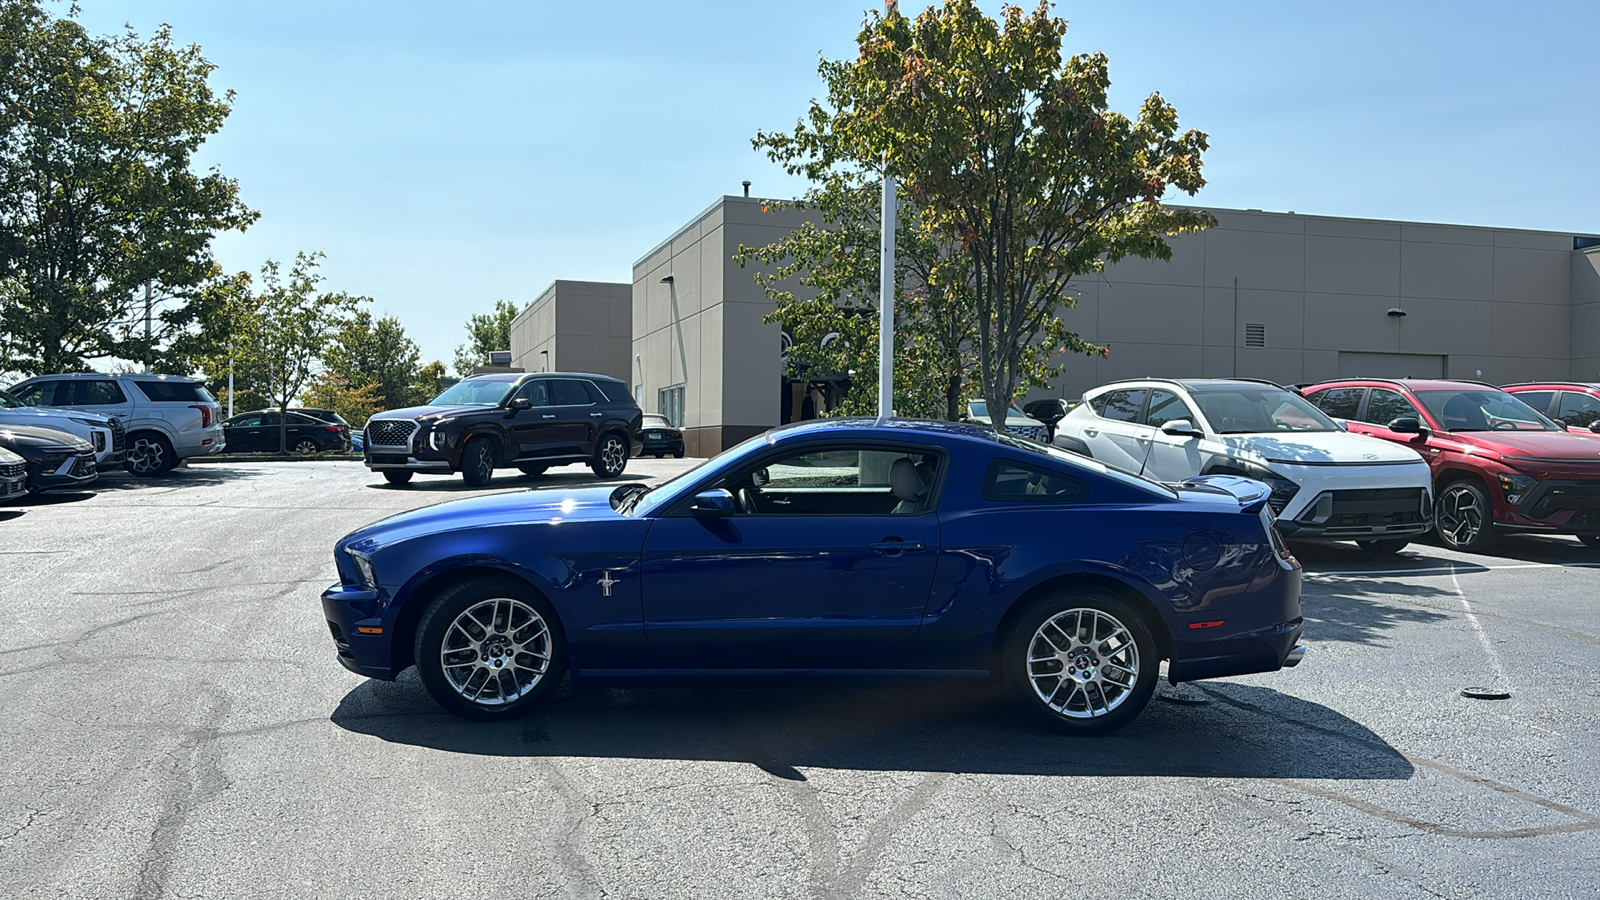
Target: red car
{"points": [[1499, 465], [1575, 404]]}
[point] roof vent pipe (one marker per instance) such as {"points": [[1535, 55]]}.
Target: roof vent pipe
{"points": [[746, 187]]}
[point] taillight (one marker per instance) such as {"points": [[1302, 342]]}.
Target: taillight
{"points": [[205, 415], [1280, 547], [332, 428]]}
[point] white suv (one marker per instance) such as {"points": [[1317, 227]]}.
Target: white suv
{"points": [[168, 418], [1327, 484]]}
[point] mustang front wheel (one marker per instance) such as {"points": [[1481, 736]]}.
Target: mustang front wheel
{"points": [[1084, 661], [489, 649]]}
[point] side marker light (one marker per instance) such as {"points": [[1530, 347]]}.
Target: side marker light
{"points": [[1199, 625], [365, 629]]}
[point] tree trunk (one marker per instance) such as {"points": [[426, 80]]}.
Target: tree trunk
{"points": [[952, 399]]}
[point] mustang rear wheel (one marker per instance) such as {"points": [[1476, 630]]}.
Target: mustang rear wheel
{"points": [[1464, 516], [489, 649], [610, 456], [1084, 660]]}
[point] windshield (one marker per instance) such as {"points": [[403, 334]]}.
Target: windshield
{"points": [[1485, 410], [10, 401], [1252, 410], [643, 504], [474, 393], [979, 409]]}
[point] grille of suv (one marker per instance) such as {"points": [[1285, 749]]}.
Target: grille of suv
{"points": [[1031, 432], [119, 437], [390, 433], [14, 470]]}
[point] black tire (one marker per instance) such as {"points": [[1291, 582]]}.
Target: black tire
{"points": [[477, 462], [1384, 548], [1463, 517], [533, 470], [1038, 683], [490, 653], [1593, 540], [678, 455], [149, 454], [610, 455], [398, 477], [306, 447]]}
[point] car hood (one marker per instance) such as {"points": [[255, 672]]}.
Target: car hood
{"points": [[540, 506], [1320, 448], [46, 416], [23, 438], [1553, 445], [428, 413]]}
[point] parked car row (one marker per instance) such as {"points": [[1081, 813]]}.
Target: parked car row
{"points": [[1377, 461]]}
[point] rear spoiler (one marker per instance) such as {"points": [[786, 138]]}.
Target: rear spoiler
{"points": [[1251, 494]]}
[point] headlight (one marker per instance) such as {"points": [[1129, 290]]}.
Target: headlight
{"points": [[1283, 489], [364, 566], [1516, 487], [90, 422], [436, 439]]}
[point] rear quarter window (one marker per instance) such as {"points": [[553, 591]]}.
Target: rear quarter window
{"points": [[173, 391], [614, 391], [1009, 481]]}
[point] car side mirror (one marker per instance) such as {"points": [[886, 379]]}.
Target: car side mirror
{"points": [[1180, 428], [518, 404], [1049, 411], [1561, 425], [1342, 424], [1595, 427], [1409, 425], [715, 503]]}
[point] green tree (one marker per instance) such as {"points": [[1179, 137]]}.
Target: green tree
{"points": [[287, 328], [1009, 152], [486, 332], [98, 199], [354, 403], [376, 354], [430, 381]]}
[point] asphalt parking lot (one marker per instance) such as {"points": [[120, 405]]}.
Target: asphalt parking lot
{"points": [[176, 725]]}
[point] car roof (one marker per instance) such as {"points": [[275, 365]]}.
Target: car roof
{"points": [[534, 376], [1415, 384], [133, 376], [1554, 385], [1196, 384], [888, 429]]}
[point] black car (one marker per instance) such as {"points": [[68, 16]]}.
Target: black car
{"points": [[261, 432], [527, 421], [660, 437], [56, 460]]}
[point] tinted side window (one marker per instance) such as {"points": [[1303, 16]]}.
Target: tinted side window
{"points": [[1539, 400], [1015, 482], [1119, 406], [1384, 406], [1165, 406], [271, 420], [537, 392], [95, 393], [570, 393], [41, 394], [1580, 410], [614, 391], [245, 422], [172, 391], [1341, 403]]}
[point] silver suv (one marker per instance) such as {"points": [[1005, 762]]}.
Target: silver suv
{"points": [[167, 418]]}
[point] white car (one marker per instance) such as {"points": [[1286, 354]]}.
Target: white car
{"points": [[103, 433], [1016, 423], [168, 418], [1327, 484]]}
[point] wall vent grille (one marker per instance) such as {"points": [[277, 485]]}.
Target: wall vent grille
{"points": [[1255, 335]]}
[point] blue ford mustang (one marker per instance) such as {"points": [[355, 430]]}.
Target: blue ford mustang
{"points": [[839, 548]]}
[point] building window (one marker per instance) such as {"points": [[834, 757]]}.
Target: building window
{"points": [[670, 402]]}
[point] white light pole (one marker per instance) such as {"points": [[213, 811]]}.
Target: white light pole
{"points": [[230, 379], [886, 300]]}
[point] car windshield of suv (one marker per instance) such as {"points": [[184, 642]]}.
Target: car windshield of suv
{"points": [[474, 393], [10, 401], [1251, 410], [1485, 410], [979, 409]]}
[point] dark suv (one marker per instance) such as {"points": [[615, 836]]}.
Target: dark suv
{"points": [[530, 422], [1499, 465]]}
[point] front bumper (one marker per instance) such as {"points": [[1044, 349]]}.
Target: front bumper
{"points": [[73, 472], [1557, 506], [348, 611], [12, 487], [396, 461]]}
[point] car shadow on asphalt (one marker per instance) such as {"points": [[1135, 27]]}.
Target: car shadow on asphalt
{"points": [[1244, 731], [7, 515], [181, 477], [53, 498], [1358, 609]]}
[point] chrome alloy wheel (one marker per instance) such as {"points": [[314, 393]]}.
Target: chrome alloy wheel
{"points": [[1083, 663], [1460, 518], [146, 456], [613, 455], [496, 652]]}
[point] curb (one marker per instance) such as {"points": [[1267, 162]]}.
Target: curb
{"points": [[270, 458]]}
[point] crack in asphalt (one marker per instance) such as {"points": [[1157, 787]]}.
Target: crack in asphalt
{"points": [[33, 816], [193, 778]]}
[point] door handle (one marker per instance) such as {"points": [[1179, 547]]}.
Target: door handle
{"points": [[892, 547], [1092, 432], [596, 415], [547, 417]]}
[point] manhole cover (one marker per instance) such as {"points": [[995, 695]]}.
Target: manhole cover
{"points": [[1483, 693]]}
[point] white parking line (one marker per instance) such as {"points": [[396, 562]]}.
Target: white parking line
{"points": [[1501, 681], [1452, 569]]}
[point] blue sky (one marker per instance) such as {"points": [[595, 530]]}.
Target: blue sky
{"points": [[445, 155]]}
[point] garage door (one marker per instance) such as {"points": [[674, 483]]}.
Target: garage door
{"points": [[1390, 365]]}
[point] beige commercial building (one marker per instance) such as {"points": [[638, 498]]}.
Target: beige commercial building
{"points": [[1286, 297], [576, 326]]}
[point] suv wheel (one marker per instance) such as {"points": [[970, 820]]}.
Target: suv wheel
{"points": [[477, 462], [1464, 516], [1084, 661], [149, 454], [610, 455], [398, 477]]}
